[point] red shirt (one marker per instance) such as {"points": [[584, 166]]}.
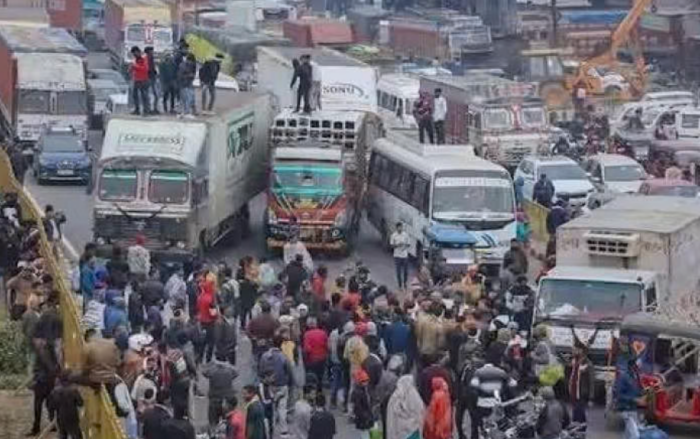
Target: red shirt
{"points": [[139, 69], [205, 302], [318, 286], [236, 422], [353, 299], [315, 345]]}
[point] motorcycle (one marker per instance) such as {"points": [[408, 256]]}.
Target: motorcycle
{"points": [[513, 419]]}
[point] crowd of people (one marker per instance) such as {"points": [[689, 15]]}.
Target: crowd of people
{"points": [[172, 80]]}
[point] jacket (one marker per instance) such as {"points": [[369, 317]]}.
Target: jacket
{"points": [[627, 389], [543, 192], [206, 303], [168, 72], [152, 72], [396, 337], [275, 364], [315, 346], [178, 429], [581, 380], [553, 419], [364, 417], [186, 73], [209, 72], [225, 334], [115, 316], [221, 375], [555, 218], [304, 73], [139, 70]]}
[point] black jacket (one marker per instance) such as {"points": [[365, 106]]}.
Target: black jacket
{"points": [[225, 336], [304, 74], [209, 72]]}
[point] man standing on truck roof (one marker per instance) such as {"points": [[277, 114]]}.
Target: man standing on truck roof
{"points": [[139, 76], [303, 72], [208, 74], [168, 82], [439, 115], [152, 77], [423, 112], [185, 78]]}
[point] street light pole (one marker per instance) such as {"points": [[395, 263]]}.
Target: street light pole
{"points": [[555, 19]]}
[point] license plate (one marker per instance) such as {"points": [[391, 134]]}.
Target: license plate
{"points": [[64, 172]]}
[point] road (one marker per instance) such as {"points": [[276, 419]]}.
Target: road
{"points": [[77, 206]]}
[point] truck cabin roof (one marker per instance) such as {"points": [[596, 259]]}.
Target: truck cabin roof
{"points": [[637, 214], [655, 325], [321, 56], [600, 274], [62, 75], [41, 40]]}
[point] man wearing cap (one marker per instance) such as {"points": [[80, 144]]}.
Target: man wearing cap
{"points": [[208, 74]]}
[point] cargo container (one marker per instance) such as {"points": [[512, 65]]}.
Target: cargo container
{"points": [[420, 39], [341, 82], [182, 183], [365, 22], [138, 23], [321, 32], [500, 15], [66, 14], [43, 82], [23, 16]]}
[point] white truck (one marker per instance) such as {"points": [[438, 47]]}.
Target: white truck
{"points": [[42, 82], [182, 183], [140, 23], [341, 83], [633, 254]]}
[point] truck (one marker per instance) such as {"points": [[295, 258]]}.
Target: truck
{"points": [[43, 83], [342, 82], [317, 178], [632, 254], [182, 183], [65, 14], [140, 23], [502, 119], [32, 17]]}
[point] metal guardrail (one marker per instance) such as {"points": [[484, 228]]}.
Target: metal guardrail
{"points": [[537, 214], [98, 418]]}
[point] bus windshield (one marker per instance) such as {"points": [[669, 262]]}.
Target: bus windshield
{"points": [[307, 179], [118, 185], [169, 187], [466, 195], [588, 299]]}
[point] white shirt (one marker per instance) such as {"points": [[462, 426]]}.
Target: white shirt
{"points": [[139, 260], [400, 242], [581, 93], [440, 110]]}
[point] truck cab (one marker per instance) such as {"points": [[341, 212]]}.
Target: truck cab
{"points": [[505, 130]]}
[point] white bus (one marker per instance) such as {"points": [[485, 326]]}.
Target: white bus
{"points": [[444, 195], [396, 93]]}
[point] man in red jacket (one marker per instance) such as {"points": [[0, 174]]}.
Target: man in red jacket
{"points": [[140, 79], [207, 314], [315, 348]]}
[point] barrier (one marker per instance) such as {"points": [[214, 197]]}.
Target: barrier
{"points": [[537, 214], [98, 420]]}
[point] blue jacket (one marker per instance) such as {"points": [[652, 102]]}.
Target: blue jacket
{"points": [[114, 316], [275, 363], [87, 281], [396, 337], [627, 391]]}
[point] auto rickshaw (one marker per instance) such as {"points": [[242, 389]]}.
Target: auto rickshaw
{"points": [[450, 249], [666, 354]]}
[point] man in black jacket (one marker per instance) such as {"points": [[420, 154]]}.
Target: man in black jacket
{"points": [[152, 77], [208, 74], [303, 72]]}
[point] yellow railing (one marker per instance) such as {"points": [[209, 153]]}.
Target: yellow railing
{"points": [[99, 421], [537, 214]]}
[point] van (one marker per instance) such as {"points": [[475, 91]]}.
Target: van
{"points": [[396, 94], [688, 123]]}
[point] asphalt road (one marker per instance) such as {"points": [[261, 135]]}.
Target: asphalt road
{"points": [[77, 206]]}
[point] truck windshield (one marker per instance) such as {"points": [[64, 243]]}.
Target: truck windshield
{"points": [[624, 173], [136, 32], [162, 36], [169, 187], [34, 101], [563, 172], [588, 299], [498, 119], [118, 185], [307, 179], [72, 102], [465, 195], [533, 117]]}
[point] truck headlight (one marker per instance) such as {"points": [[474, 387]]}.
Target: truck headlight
{"points": [[100, 241], [180, 245], [340, 219], [271, 216]]}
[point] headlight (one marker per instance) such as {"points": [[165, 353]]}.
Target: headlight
{"points": [[100, 241], [340, 219], [180, 245], [271, 216]]}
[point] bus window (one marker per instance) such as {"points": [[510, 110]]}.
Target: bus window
{"points": [[384, 174], [420, 192]]}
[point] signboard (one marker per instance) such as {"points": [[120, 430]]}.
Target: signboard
{"points": [[143, 143], [348, 88], [471, 182], [656, 23]]}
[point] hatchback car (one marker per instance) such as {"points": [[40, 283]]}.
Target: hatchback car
{"points": [[61, 154], [570, 181], [615, 173]]}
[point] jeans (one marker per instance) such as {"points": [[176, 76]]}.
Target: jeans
{"points": [[631, 425], [425, 125], [401, 271], [208, 90], [169, 94], [281, 398], [187, 96], [207, 351], [42, 391], [141, 96], [336, 383], [153, 89], [440, 131], [578, 412], [318, 369]]}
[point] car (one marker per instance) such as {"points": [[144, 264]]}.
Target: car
{"points": [[100, 91], [108, 75], [615, 173], [61, 154], [570, 181], [669, 187]]}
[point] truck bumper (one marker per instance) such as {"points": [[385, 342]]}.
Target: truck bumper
{"points": [[334, 246], [165, 256], [319, 237]]}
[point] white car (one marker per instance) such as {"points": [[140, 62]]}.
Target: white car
{"points": [[569, 180], [615, 173]]}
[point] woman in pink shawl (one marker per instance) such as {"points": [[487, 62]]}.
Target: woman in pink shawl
{"points": [[438, 418]]}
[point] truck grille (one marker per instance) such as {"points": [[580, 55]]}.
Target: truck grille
{"points": [[612, 243], [123, 228], [515, 155]]}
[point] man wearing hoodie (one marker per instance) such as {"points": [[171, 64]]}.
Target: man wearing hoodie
{"points": [[140, 80], [167, 70], [207, 315], [152, 77], [221, 374]]}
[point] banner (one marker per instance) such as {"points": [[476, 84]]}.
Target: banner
{"points": [[348, 88]]}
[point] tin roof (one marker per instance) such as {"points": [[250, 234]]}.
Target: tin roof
{"points": [[41, 39]]}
